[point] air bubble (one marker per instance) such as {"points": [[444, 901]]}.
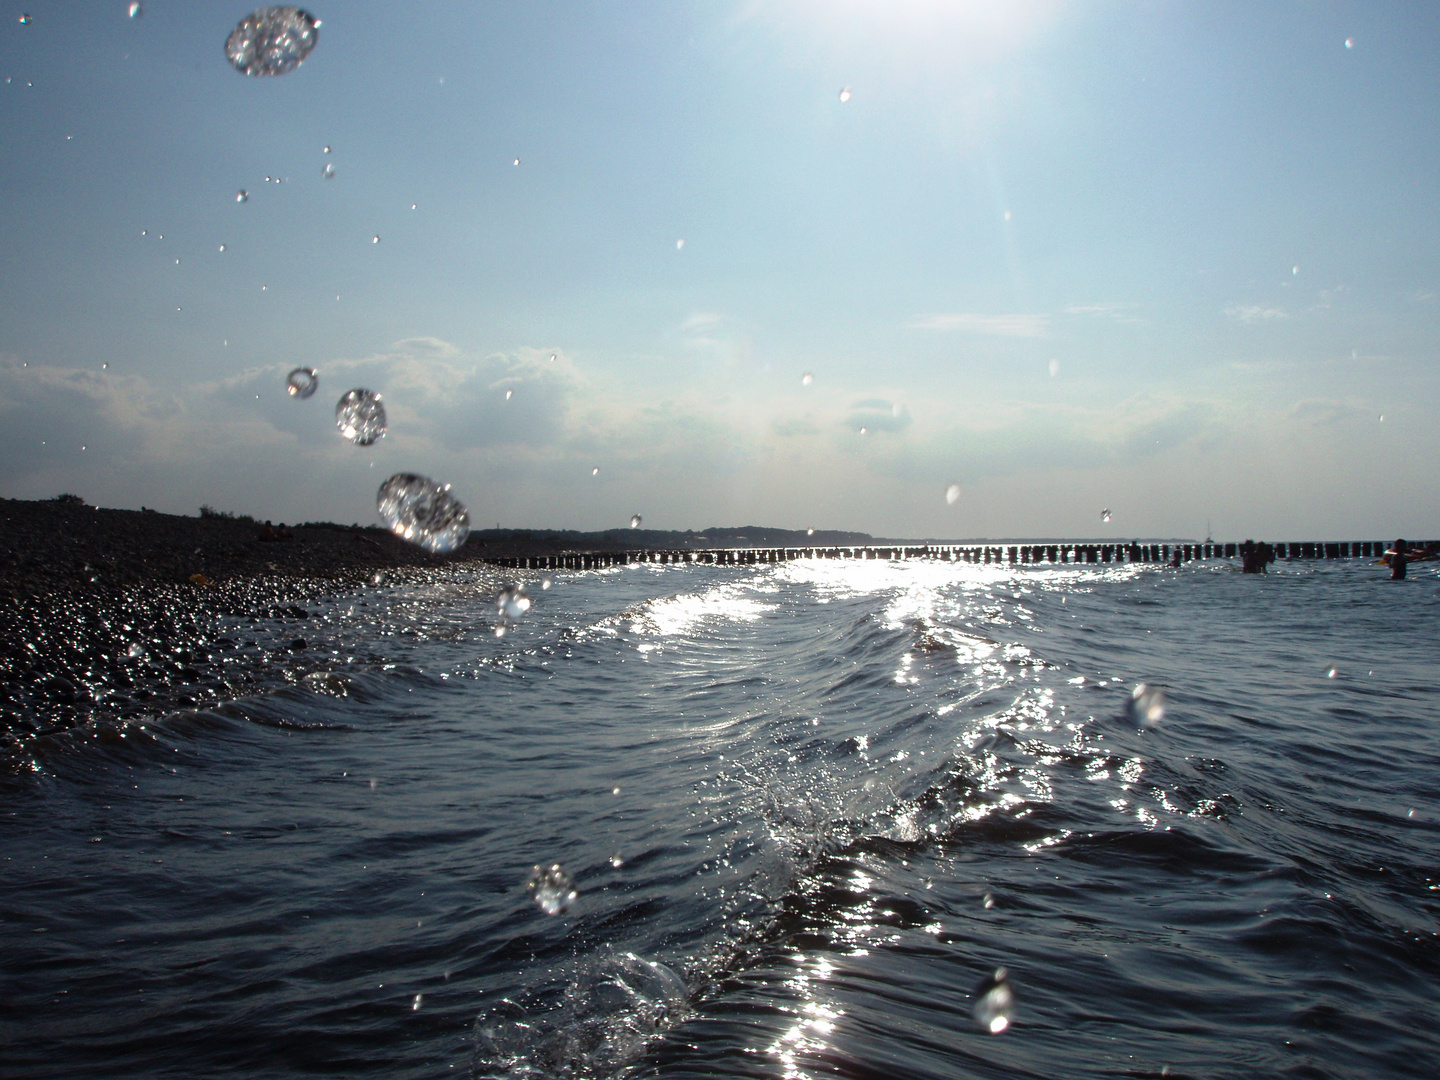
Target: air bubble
{"points": [[301, 382], [635, 521], [360, 416], [272, 41], [552, 888], [417, 509], [952, 494], [994, 1002]]}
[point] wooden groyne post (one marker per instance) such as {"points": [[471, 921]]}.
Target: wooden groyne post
{"points": [[982, 554]]}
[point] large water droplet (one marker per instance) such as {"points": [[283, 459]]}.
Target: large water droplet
{"points": [[272, 41], [301, 382], [952, 494], [418, 509], [512, 604], [242, 195], [994, 1002], [1147, 704], [552, 888], [635, 521], [360, 416]]}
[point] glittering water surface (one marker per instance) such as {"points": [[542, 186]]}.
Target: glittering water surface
{"points": [[811, 812]]}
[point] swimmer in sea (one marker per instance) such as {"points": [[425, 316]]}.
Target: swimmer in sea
{"points": [[1398, 558]]}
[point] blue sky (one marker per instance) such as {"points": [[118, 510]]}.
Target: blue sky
{"points": [[1175, 260]]}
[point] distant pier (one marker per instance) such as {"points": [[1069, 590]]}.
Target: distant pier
{"points": [[983, 554]]}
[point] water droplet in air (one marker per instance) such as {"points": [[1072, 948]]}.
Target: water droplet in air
{"points": [[1104, 515], [809, 532], [515, 162], [375, 239], [360, 417], [26, 20], [595, 471], [545, 583], [329, 171], [616, 861], [136, 10], [1332, 673], [952, 494], [1349, 43], [508, 394], [512, 604], [144, 232], [988, 901], [806, 379], [635, 521], [135, 651], [845, 94], [994, 1002], [552, 888], [1382, 418], [415, 1005], [552, 357], [301, 382], [242, 195], [267, 179], [222, 247], [1147, 704], [272, 41], [177, 262], [413, 205], [418, 509], [864, 431], [325, 149], [1294, 270], [1054, 368], [1007, 215], [679, 245]]}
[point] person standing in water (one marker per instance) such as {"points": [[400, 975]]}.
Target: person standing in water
{"points": [[1398, 560]]}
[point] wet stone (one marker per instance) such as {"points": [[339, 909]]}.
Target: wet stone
{"points": [[272, 41]]}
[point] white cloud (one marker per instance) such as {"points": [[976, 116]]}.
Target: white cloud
{"points": [[1253, 313], [996, 325]]}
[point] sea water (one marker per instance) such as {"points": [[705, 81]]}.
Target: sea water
{"points": [[845, 818]]}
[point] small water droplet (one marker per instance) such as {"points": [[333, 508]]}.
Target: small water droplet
{"points": [[135, 10], [864, 431], [845, 94], [809, 532], [509, 394], [418, 509], [679, 245], [1054, 368], [144, 232], [135, 651], [511, 604], [595, 471], [1294, 270], [952, 494], [616, 861], [301, 382], [360, 416], [1332, 673], [635, 521], [1007, 215], [177, 262], [222, 247], [1104, 515], [105, 366], [615, 790], [413, 205], [375, 239], [1349, 43], [1147, 704], [552, 888], [807, 379], [545, 583], [1382, 418], [267, 179], [988, 902], [515, 162], [242, 195], [552, 357], [26, 20], [325, 149], [994, 1002], [272, 41], [415, 1005], [328, 172]]}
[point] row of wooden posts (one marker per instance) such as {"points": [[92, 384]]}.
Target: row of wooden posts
{"points": [[1013, 554]]}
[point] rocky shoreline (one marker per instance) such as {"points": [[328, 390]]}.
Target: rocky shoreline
{"points": [[111, 615]]}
